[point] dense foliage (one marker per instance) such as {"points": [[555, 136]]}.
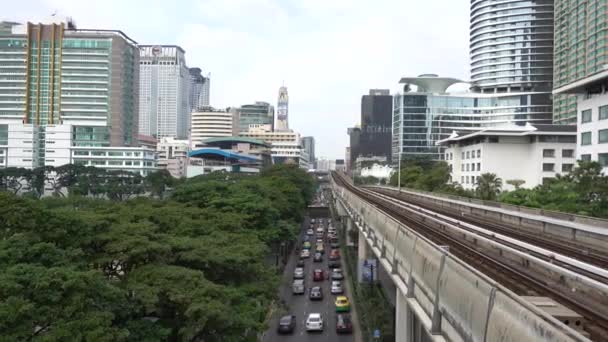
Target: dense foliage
{"points": [[584, 191], [188, 268]]}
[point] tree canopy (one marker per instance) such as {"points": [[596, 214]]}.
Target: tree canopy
{"points": [[190, 267]]}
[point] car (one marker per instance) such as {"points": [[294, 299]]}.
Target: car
{"points": [[298, 286], [306, 245], [298, 273], [336, 274], [319, 240], [287, 324], [320, 230], [314, 322], [305, 254], [342, 304], [319, 248], [334, 256], [336, 287], [344, 324], [310, 232], [312, 221], [334, 245], [300, 263], [334, 264], [318, 257], [306, 238], [315, 293], [319, 235], [317, 275]]}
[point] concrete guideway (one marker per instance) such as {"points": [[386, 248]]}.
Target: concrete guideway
{"points": [[439, 297]]}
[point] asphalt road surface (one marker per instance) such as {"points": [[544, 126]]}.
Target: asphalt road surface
{"points": [[301, 305]]}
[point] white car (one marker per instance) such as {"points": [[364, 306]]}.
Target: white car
{"points": [[298, 273], [336, 287], [314, 322], [305, 253], [310, 232]]}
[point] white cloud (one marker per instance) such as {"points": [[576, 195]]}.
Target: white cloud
{"points": [[328, 52]]}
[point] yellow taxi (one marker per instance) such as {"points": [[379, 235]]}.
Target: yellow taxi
{"points": [[342, 304], [319, 248]]}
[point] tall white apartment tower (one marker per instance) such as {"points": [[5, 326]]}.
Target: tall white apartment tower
{"points": [[164, 92], [282, 123]]}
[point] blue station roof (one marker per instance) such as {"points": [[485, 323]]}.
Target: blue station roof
{"points": [[213, 152]]}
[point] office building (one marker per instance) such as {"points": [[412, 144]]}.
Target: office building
{"points": [[164, 92], [532, 153], [208, 122], [326, 165], [308, 144], [430, 113], [347, 160], [259, 113], [581, 77], [282, 110], [173, 156], [286, 146], [376, 124], [69, 95], [200, 89], [340, 165], [229, 154]]}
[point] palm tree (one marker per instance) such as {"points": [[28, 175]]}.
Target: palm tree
{"points": [[488, 186]]}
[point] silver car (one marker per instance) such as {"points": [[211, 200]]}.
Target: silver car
{"points": [[298, 273], [336, 287]]}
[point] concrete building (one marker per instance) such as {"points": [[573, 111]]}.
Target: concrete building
{"points": [[229, 154], [347, 160], [378, 171], [259, 113], [581, 78], [511, 47], [430, 113], [200, 89], [164, 92], [74, 98], [286, 145], [308, 144], [173, 156], [376, 124], [533, 153], [326, 165], [282, 123], [208, 122], [340, 165]]}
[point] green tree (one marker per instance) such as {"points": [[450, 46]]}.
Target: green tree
{"points": [[488, 186], [516, 183], [158, 182]]}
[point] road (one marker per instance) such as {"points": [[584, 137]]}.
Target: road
{"points": [[301, 306]]}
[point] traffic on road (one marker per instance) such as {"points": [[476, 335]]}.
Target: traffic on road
{"points": [[317, 304]]}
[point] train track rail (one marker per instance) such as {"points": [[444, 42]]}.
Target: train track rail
{"points": [[508, 274], [568, 248]]}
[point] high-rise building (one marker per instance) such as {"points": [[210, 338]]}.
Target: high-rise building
{"points": [[376, 124], [199, 89], [286, 145], [65, 91], [581, 78], [164, 92], [430, 113], [208, 122], [259, 113], [308, 144], [282, 110], [511, 47]]}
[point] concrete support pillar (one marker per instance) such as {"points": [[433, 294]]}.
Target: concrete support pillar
{"points": [[363, 253], [403, 319], [350, 226]]}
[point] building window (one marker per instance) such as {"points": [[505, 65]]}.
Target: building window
{"points": [[602, 158], [602, 136], [81, 153], [547, 180], [466, 179], [586, 116], [462, 155], [567, 167], [585, 138], [548, 167], [568, 153], [548, 153], [98, 153], [478, 166], [603, 113], [468, 154], [585, 157], [478, 153], [467, 167]]}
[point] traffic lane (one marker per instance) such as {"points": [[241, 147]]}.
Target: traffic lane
{"points": [[301, 305]]}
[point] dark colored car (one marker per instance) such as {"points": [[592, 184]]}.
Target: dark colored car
{"points": [[334, 264], [344, 325], [316, 293], [318, 257], [287, 324], [300, 263], [317, 275], [334, 245]]}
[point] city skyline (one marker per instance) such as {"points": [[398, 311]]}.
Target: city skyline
{"points": [[250, 60]]}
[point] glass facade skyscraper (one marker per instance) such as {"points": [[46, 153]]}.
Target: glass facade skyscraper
{"points": [[199, 90], [259, 113], [164, 92]]}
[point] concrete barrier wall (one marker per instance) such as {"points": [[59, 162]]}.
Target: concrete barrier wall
{"points": [[473, 306]]}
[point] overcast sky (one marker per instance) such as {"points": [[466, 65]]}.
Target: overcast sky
{"points": [[328, 52]]}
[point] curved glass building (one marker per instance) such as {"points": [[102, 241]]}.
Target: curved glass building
{"points": [[511, 45]]}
